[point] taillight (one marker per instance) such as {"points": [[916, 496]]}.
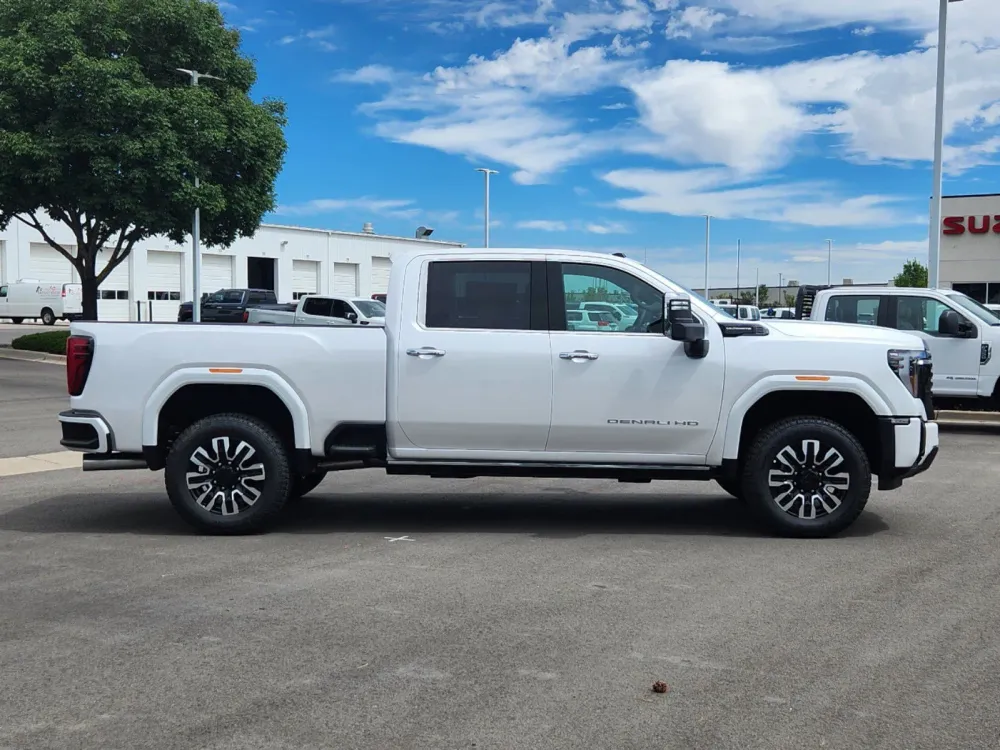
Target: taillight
{"points": [[246, 316], [64, 292], [79, 353], [601, 323]]}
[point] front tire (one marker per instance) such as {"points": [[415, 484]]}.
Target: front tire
{"points": [[228, 474], [807, 477]]}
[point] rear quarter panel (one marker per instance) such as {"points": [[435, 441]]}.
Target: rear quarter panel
{"points": [[324, 375]]}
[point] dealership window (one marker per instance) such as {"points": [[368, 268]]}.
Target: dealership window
{"points": [[982, 292], [162, 296], [114, 294]]}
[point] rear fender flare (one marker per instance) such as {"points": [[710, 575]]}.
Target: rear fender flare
{"points": [[236, 376]]}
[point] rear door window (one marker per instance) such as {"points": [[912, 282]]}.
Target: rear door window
{"points": [[854, 308]]}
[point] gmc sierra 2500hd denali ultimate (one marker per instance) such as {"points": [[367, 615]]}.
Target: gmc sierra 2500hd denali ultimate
{"points": [[478, 373]]}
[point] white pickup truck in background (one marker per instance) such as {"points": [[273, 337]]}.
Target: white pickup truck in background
{"points": [[477, 373], [321, 310], [961, 334]]}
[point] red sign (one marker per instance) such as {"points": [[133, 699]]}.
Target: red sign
{"points": [[974, 224]]}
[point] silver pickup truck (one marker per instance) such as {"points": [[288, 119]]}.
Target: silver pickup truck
{"points": [[322, 310]]}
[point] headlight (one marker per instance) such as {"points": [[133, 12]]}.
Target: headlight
{"points": [[909, 364]]}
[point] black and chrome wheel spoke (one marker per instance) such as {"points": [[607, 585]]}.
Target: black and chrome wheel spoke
{"points": [[226, 480], [808, 481]]}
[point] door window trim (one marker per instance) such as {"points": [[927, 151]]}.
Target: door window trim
{"points": [[894, 306]]}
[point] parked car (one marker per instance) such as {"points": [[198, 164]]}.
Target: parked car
{"points": [[227, 305], [317, 309], [961, 334], [379, 298], [587, 320], [477, 373], [38, 300]]}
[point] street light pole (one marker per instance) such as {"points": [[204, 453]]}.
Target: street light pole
{"points": [[708, 234], [934, 237], [829, 262], [738, 244], [486, 204], [196, 229]]}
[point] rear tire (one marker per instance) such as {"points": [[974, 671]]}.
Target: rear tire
{"points": [[807, 477], [228, 474], [17, 321], [48, 317]]}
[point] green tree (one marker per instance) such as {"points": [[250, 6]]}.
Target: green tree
{"points": [[99, 131], [789, 300], [746, 298], [914, 274], [763, 292]]}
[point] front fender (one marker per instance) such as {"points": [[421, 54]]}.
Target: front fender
{"points": [[221, 376], [727, 442]]}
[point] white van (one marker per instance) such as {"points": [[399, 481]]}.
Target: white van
{"points": [[37, 300]]}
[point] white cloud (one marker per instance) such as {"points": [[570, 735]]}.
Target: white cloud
{"points": [[864, 31], [693, 20], [611, 227], [726, 194], [317, 36], [400, 209], [543, 225], [223, 5], [701, 112], [369, 74]]}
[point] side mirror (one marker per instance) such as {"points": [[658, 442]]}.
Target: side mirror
{"points": [[684, 326], [353, 317], [951, 324]]}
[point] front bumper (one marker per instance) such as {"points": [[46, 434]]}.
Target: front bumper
{"points": [[909, 447], [86, 431]]}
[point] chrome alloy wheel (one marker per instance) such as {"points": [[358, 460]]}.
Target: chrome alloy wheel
{"points": [[810, 481], [225, 481]]}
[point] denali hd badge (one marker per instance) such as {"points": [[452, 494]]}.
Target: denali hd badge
{"points": [[655, 422]]}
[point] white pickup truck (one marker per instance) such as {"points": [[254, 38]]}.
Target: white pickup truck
{"points": [[321, 310], [476, 373], [961, 334]]}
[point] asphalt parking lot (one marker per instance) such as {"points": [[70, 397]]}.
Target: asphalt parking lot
{"points": [[412, 613]]}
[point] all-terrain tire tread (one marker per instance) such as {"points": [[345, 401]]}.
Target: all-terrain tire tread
{"points": [[755, 459], [269, 442]]}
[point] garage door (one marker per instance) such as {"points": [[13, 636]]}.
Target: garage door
{"points": [[163, 285], [47, 264], [380, 275], [305, 278], [216, 273], [112, 296], [345, 279]]}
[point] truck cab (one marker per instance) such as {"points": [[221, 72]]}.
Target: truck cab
{"points": [[961, 334]]}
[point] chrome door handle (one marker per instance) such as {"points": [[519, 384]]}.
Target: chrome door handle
{"points": [[577, 355], [427, 351]]}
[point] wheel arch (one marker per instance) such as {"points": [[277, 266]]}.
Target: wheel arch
{"points": [[190, 394], [850, 403]]}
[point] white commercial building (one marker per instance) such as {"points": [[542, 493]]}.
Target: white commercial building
{"points": [[157, 275], [970, 246]]}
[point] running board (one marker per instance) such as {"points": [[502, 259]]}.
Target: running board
{"points": [[621, 472], [113, 461]]}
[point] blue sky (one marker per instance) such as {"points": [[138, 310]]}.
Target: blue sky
{"points": [[616, 124]]}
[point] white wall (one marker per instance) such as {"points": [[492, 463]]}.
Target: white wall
{"points": [[282, 243], [969, 257]]}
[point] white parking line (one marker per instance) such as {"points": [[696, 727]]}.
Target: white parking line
{"points": [[12, 467]]}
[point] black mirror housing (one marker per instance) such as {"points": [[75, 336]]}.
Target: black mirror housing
{"points": [[684, 326], [951, 324]]}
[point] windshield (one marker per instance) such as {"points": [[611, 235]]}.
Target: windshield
{"points": [[983, 313], [370, 308], [227, 295]]}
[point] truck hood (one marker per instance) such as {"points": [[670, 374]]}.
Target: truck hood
{"points": [[846, 332]]}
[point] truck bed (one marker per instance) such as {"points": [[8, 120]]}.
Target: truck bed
{"points": [[339, 373]]}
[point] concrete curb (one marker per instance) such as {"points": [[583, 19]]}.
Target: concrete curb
{"points": [[968, 419], [19, 354]]}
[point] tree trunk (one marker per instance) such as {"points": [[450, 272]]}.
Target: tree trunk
{"points": [[89, 284]]}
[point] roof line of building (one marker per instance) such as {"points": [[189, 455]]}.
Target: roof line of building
{"points": [[292, 227], [974, 195]]}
